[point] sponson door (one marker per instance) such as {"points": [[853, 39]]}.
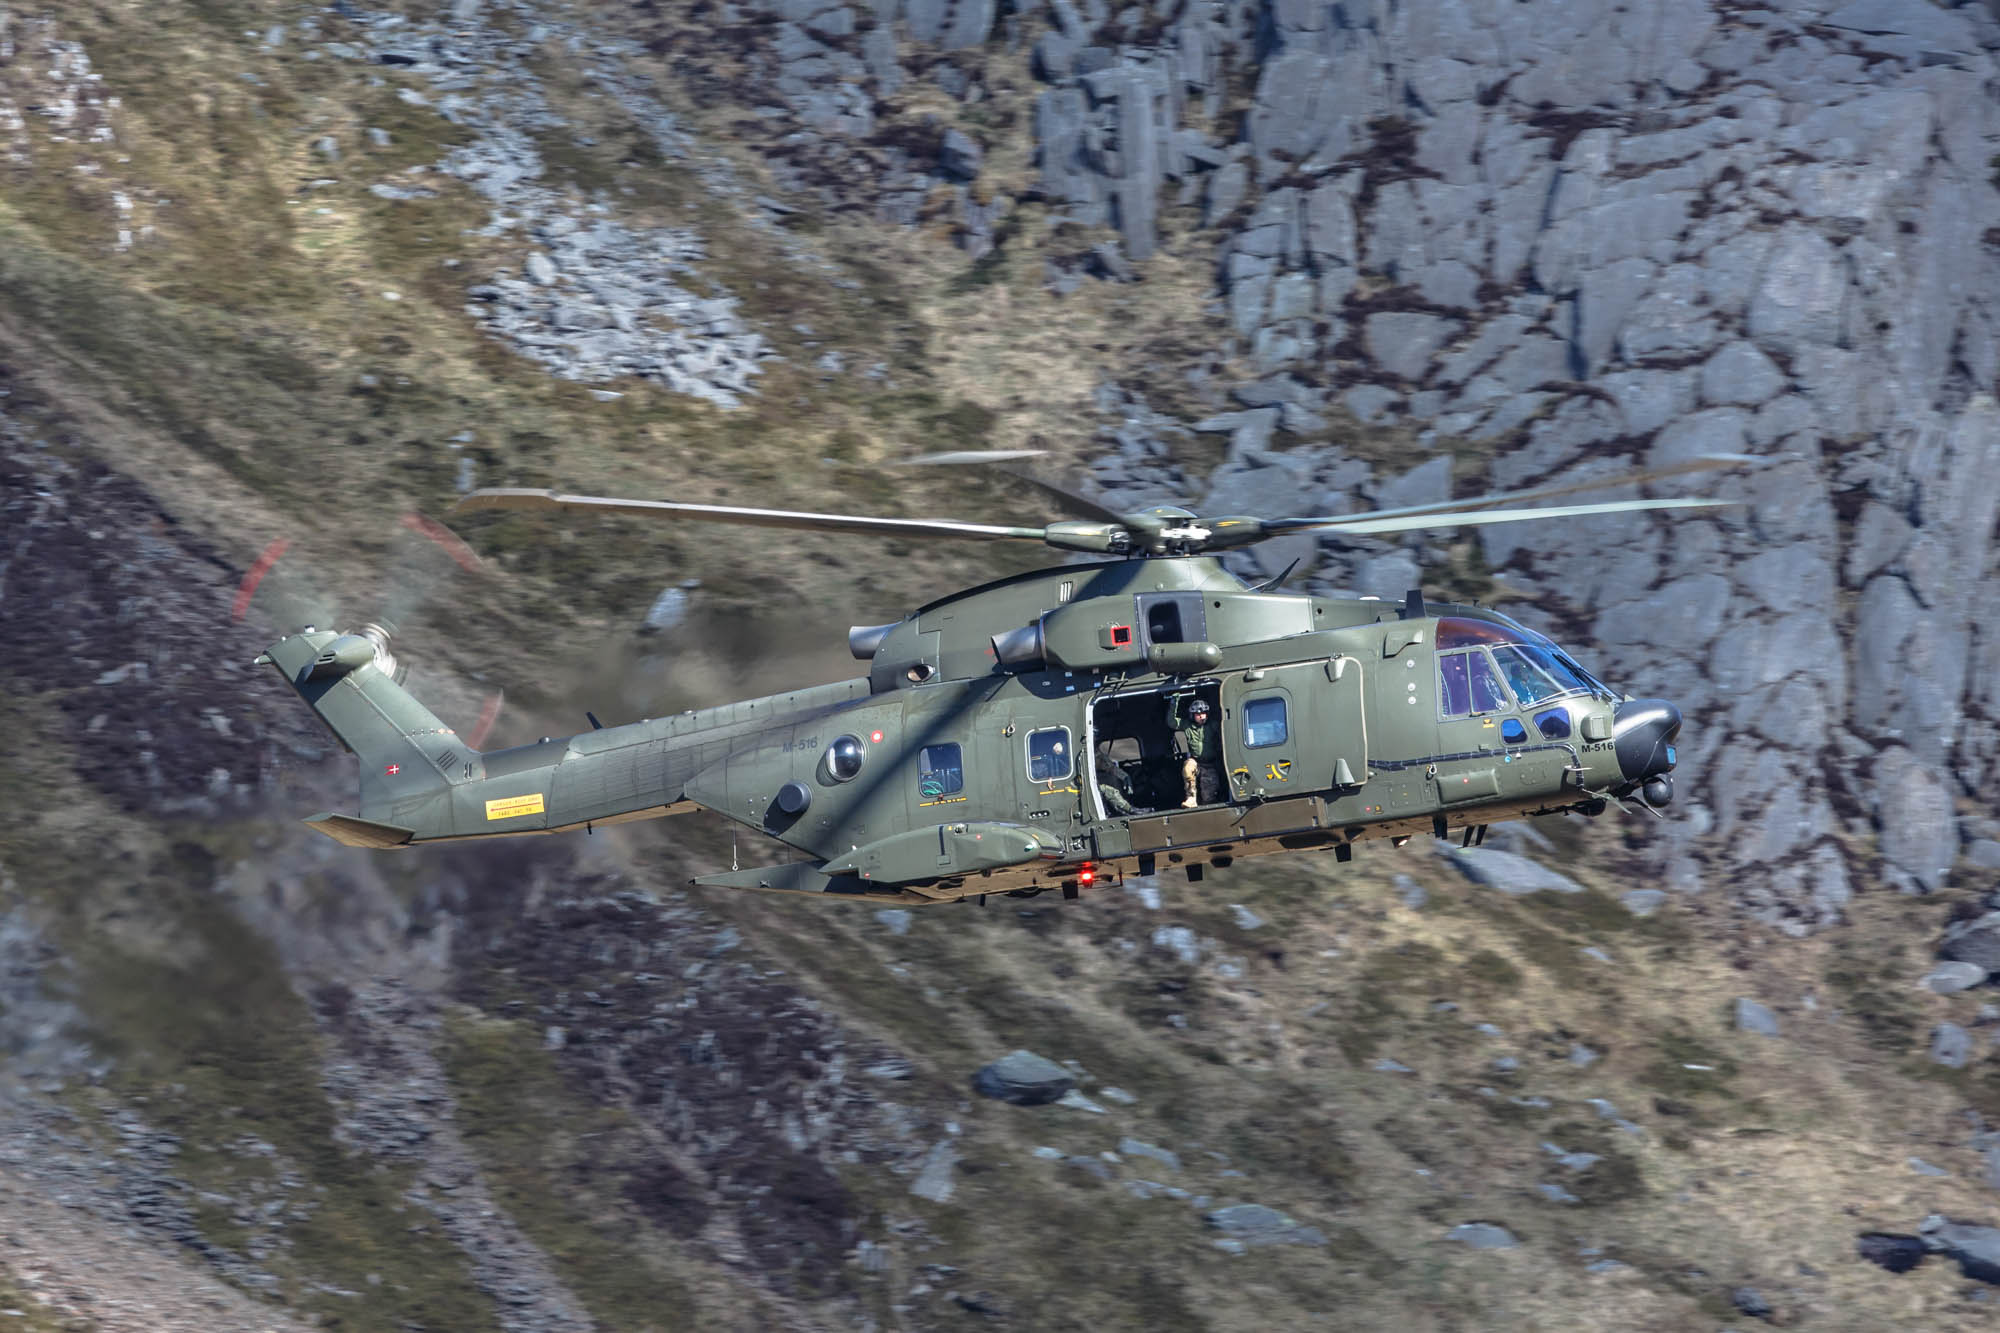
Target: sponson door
{"points": [[1266, 714], [1291, 733]]}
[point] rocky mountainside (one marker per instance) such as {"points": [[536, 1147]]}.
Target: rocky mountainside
{"points": [[276, 270]]}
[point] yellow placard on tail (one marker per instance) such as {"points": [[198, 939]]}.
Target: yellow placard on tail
{"points": [[512, 807]]}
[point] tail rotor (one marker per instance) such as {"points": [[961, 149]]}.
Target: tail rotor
{"points": [[423, 561]]}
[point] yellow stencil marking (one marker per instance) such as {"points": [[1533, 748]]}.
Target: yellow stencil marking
{"points": [[512, 807], [1278, 772]]}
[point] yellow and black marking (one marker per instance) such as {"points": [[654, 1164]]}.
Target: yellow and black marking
{"points": [[513, 807], [942, 800]]}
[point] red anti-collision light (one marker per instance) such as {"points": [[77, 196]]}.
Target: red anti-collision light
{"points": [[874, 738], [1087, 875]]}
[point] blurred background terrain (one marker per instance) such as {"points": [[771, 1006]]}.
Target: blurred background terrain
{"points": [[273, 270]]}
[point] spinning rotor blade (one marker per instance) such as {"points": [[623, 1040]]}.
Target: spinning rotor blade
{"points": [[1705, 463], [426, 555], [1055, 490], [957, 457], [419, 556], [1364, 525], [511, 498], [1161, 530]]}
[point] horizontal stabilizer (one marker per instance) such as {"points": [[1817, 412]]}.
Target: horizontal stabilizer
{"points": [[356, 832]]}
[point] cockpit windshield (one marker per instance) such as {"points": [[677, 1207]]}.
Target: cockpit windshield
{"points": [[1475, 657]]}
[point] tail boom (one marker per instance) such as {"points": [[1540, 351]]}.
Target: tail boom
{"points": [[421, 782]]}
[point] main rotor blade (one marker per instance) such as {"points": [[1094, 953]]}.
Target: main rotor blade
{"points": [[518, 499], [1370, 525], [1055, 490], [1705, 463], [963, 457]]}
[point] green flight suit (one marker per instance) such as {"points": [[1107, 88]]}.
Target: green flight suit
{"points": [[1203, 746], [1203, 742]]}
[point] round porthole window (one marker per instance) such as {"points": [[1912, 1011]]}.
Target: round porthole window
{"points": [[843, 758]]}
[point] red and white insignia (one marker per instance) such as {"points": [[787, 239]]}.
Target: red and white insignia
{"points": [[393, 769]]}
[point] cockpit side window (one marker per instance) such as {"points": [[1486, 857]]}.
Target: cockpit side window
{"points": [[1553, 665], [1488, 694], [1454, 689], [1532, 664], [1467, 683], [1531, 684]]}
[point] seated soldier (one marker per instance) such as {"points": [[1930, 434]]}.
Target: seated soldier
{"points": [[1113, 783], [1197, 737]]}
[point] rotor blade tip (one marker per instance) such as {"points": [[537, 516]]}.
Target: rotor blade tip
{"points": [[961, 456], [505, 497]]}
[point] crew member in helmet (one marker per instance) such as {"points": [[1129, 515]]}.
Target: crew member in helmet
{"points": [[1198, 739], [1114, 784]]}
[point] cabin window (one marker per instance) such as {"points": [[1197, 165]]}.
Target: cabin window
{"points": [[1163, 623], [940, 772], [1554, 723], [1049, 757], [1264, 722], [1467, 683]]}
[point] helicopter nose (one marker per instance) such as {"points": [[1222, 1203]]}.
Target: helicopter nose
{"points": [[1645, 731]]}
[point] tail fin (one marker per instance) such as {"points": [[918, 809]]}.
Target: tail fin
{"points": [[409, 759]]}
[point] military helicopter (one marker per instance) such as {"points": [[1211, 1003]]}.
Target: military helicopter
{"points": [[1034, 733]]}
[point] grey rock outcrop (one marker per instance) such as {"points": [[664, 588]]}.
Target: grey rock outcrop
{"points": [[1951, 1046], [934, 1177], [1510, 873], [1544, 230], [1976, 1247], [961, 155], [1951, 977], [1483, 1236], [1754, 1017], [597, 300], [1253, 1224], [1976, 941], [1023, 1078]]}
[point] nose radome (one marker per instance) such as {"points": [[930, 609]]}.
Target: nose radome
{"points": [[1645, 730]]}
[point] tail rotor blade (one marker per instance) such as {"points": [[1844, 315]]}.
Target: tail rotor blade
{"points": [[426, 556], [283, 591]]}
